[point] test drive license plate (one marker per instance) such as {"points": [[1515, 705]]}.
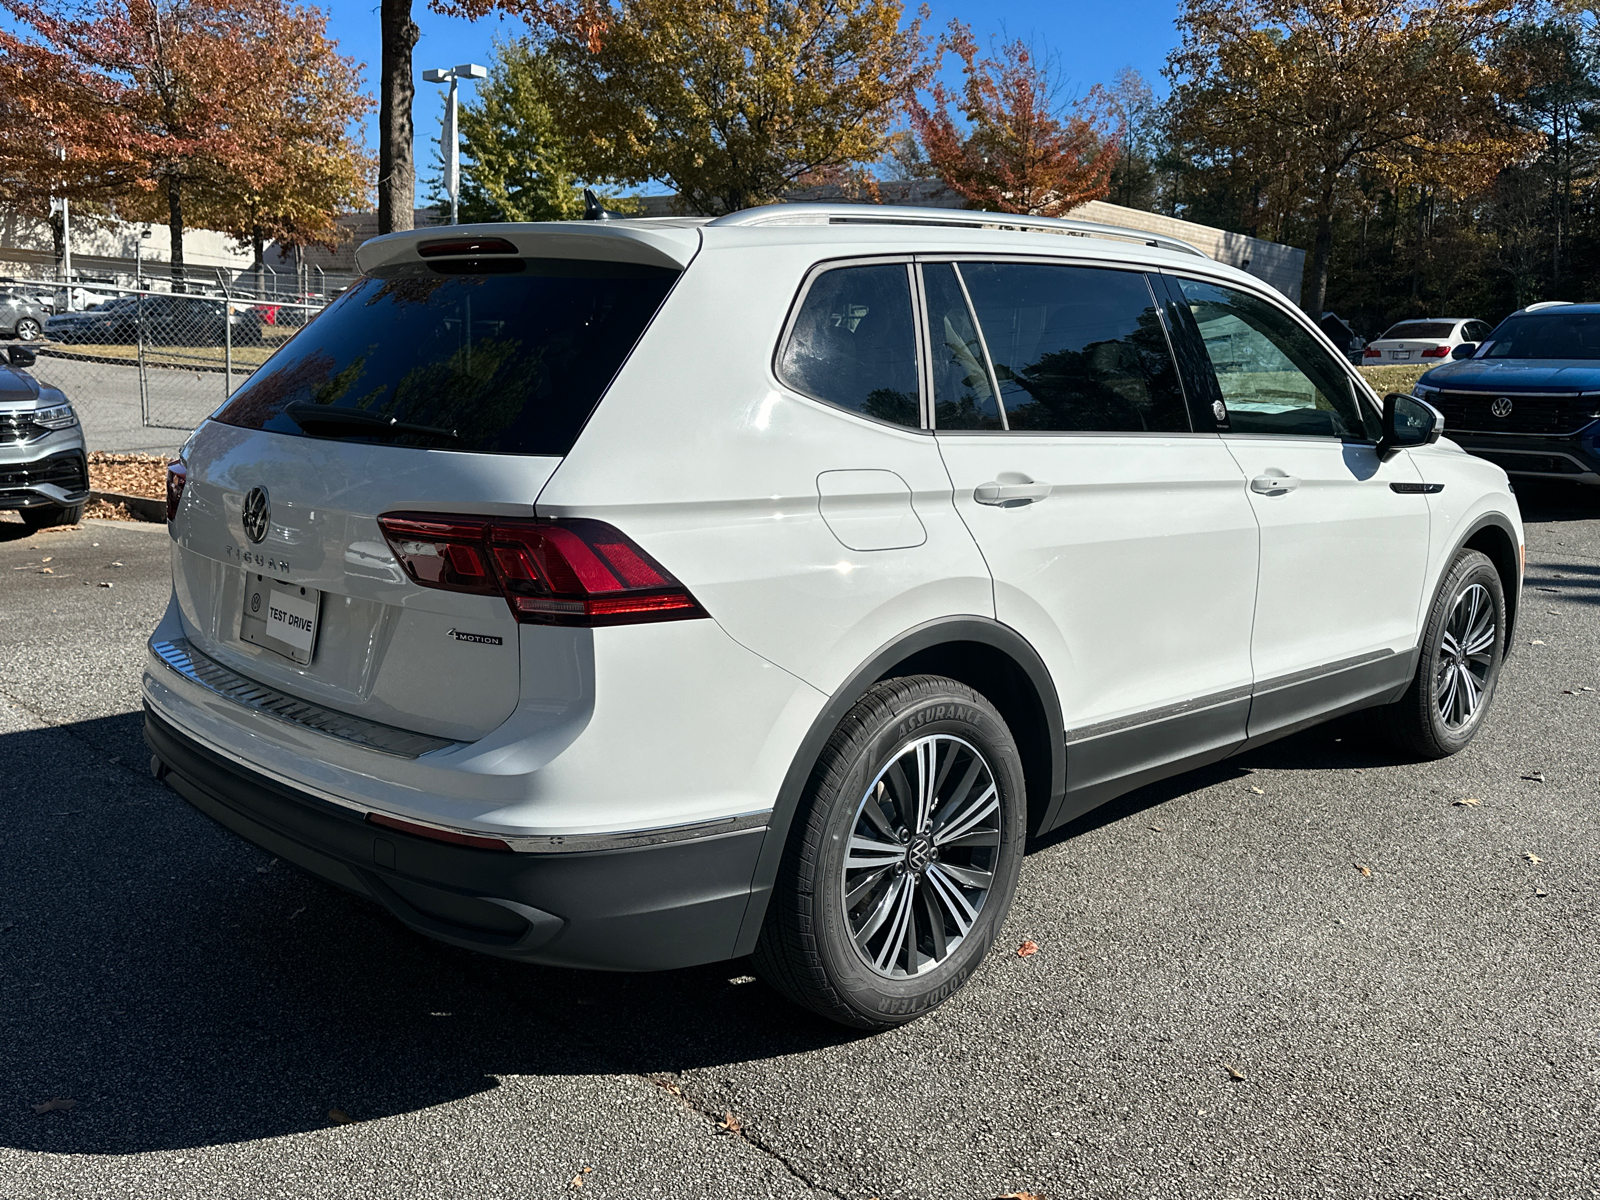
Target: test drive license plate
{"points": [[280, 616]]}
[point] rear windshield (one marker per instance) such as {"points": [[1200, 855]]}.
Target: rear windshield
{"points": [[1422, 329], [1547, 335], [509, 361]]}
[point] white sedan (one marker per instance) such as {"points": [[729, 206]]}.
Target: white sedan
{"points": [[1420, 341]]}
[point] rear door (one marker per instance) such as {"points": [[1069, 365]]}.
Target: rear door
{"points": [[1344, 535], [431, 389], [1121, 542]]}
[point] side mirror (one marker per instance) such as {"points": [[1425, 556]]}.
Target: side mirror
{"points": [[1465, 350], [22, 356], [1408, 421]]}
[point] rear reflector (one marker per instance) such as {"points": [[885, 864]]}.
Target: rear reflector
{"points": [[177, 477], [572, 572], [438, 835], [486, 245]]}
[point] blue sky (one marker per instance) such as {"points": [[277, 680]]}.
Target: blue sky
{"points": [[1091, 41]]}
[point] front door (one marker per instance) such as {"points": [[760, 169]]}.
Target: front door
{"points": [[1121, 543], [1343, 554]]}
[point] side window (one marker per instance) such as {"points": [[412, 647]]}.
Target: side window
{"points": [[962, 395], [1274, 377], [1076, 348], [1476, 331], [854, 343]]}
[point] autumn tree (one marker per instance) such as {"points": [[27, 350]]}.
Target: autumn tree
{"points": [[1295, 98], [1017, 147], [176, 107], [732, 102]]}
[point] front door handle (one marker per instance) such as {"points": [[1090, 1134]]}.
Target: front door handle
{"points": [[1274, 485], [1010, 495]]}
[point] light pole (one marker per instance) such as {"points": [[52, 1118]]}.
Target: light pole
{"points": [[138, 258], [448, 141]]}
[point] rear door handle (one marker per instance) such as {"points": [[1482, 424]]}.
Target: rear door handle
{"points": [[1010, 495], [1274, 485]]}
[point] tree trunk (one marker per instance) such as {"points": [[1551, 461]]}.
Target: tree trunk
{"points": [[175, 229], [1321, 261], [397, 172], [258, 243]]}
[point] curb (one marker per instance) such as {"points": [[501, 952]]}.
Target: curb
{"points": [[142, 507]]}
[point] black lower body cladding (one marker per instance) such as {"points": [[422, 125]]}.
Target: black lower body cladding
{"points": [[652, 908]]}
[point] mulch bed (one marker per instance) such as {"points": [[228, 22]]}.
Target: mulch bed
{"points": [[128, 474]]}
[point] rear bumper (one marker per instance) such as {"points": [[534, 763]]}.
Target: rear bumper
{"points": [[639, 909]]}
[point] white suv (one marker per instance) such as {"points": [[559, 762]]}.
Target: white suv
{"points": [[635, 594]]}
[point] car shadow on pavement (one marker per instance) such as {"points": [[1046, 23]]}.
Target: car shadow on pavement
{"points": [[184, 989]]}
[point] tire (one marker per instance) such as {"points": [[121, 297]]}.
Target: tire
{"points": [[820, 947], [28, 330], [1443, 709], [45, 518]]}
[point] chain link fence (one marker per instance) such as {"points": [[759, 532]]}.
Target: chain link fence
{"points": [[138, 361]]}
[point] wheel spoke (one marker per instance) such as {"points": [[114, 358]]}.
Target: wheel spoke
{"points": [[863, 886], [1447, 694], [975, 840], [1449, 644], [962, 913], [1471, 693], [926, 753], [987, 802], [1480, 638], [864, 853], [872, 810], [968, 876], [904, 795], [959, 795], [880, 914], [935, 917], [904, 893]]}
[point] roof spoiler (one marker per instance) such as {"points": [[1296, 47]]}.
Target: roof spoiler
{"points": [[890, 214]]}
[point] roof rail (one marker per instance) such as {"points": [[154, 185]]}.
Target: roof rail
{"points": [[892, 214]]}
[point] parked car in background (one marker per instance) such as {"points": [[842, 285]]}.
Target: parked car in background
{"points": [[166, 320], [21, 315], [640, 594], [44, 472], [1528, 396], [1421, 341], [1339, 332]]}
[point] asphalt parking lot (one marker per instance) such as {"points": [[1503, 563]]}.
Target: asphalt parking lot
{"points": [[1310, 971]]}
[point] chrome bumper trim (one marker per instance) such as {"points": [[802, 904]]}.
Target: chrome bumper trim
{"points": [[183, 659]]}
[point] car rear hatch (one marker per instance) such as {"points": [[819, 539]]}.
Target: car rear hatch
{"points": [[450, 379]]}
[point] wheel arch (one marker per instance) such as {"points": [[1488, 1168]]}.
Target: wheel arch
{"points": [[1495, 537], [992, 659]]}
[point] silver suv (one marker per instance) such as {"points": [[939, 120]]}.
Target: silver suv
{"points": [[44, 471], [641, 593]]}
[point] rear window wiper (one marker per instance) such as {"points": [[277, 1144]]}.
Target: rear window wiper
{"points": [[307, 415]]}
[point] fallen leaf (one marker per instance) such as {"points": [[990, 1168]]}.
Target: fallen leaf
{"points": [[103, 583], [47, 570], [1157, 829], [47, 558], [1586, 688], [265, 867], [116, 564], [54, 1104], [1568, 692], [1469, 802], [1536, 777], [1233, 1072], [1537, 642], [1258, 791], [1531, 856], [339, 1117], [1540, 892], [1027, 949], [1022, 1196], [730, 1125], [1366, 872], [577, 1180]]}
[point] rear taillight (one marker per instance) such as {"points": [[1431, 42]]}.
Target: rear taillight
{"points": [[177, 476], [1437, 352], [1369, 352], [572, 572]]}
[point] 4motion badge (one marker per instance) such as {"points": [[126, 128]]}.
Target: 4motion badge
{"points": [[482, 639]]}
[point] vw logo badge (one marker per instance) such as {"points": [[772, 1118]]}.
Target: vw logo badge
{"points": [[1501, 407], [257, 514]]}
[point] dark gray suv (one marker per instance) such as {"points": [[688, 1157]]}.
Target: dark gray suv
{"points": [[44, 470]]}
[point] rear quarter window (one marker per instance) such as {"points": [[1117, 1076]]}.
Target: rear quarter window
{"points": [[509, 362]]}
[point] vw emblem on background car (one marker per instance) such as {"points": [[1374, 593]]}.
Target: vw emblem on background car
{"points": [[1501, 407], [257, 511]]}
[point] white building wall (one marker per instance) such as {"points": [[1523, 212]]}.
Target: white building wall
{"points": [[115, 238]]}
